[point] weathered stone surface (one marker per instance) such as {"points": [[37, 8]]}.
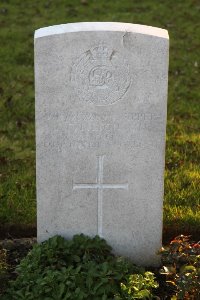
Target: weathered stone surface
{"points": [[101, 95]]}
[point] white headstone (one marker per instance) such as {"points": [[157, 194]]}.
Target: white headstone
{"points": [[101, 98]]}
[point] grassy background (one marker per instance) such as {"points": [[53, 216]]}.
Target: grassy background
{"points": [[19, 19]]}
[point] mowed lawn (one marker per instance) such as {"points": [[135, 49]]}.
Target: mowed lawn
{"points": [[19, 19]]}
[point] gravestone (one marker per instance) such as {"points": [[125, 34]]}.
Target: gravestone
{"points": [[101, 97]]}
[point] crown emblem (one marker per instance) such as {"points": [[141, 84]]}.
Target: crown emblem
{"points": [[101, 52]]}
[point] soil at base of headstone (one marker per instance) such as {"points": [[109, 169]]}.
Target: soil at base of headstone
{"points": [[16, 250], [13, 231]]}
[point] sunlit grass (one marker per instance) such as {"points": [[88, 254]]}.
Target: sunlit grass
{"points": [[19, 19]]}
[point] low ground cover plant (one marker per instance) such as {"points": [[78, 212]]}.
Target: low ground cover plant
{"points": [[82, 268], [181, 265], [85, 268]]}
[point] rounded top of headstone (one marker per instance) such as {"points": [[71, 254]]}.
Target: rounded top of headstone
{"points": [[101, 26]]}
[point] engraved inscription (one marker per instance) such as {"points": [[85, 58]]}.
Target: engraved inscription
{"points": [[100, 186], [91, 130], [100, 76]]}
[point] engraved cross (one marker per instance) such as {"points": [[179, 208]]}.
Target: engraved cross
{"points": [[100, 186]]}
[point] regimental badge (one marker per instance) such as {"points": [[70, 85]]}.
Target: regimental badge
{"points": [[101, 76]]}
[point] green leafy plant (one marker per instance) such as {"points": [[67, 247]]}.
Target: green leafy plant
{"points": [[181, 265], [81, 268], [138, 286]]}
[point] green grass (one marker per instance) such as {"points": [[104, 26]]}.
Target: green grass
{"points": [[19, 19]]}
